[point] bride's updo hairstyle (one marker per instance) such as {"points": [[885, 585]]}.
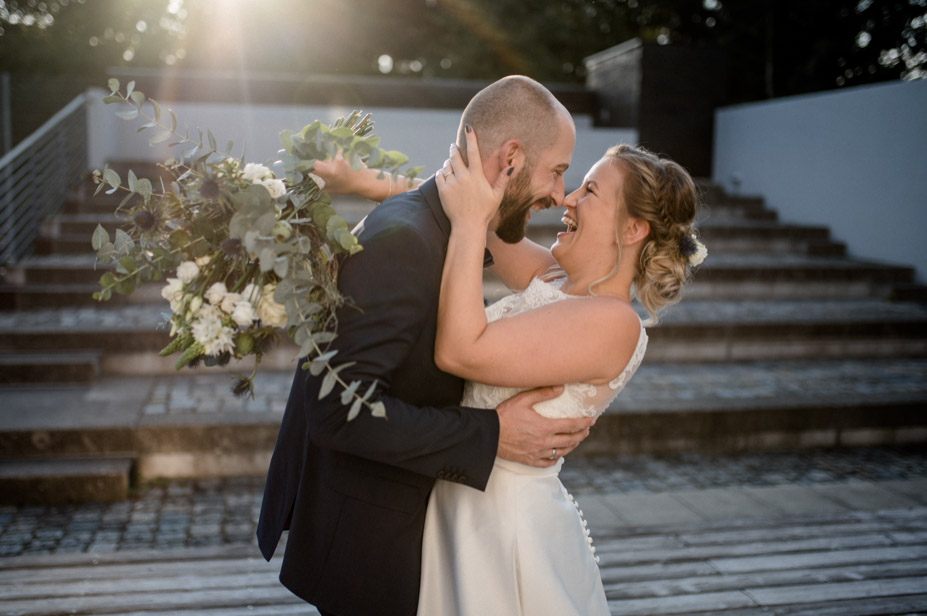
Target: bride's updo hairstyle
{"points": [[661, 192]]}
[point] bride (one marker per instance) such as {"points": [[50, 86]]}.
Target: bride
{"points": [[522, 547]]}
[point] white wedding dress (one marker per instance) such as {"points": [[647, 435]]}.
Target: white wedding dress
{"points": [[522, 546]]}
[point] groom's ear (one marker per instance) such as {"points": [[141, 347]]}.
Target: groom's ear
{"points": [[511, 153]]}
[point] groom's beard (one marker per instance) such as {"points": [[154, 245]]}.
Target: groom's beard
{"points": [[516, 202]]}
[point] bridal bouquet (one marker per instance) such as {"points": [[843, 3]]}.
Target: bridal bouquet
{"points": [[244, 253]]}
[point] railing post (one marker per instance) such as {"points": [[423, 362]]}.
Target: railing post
{"points": [[6, 120]]}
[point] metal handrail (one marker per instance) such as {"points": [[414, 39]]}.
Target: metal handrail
{"points": [[35, 177]]}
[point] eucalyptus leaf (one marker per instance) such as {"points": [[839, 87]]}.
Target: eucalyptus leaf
{"points": [[113, 84], [113, 98], [138, 98], [159, 137], [378, 409], [112, 178], [130, 114], [157, 110], [328, 384], [131, 180], [99, 238], [354, 411], [130, 87], [143, 187], [349, 391]]}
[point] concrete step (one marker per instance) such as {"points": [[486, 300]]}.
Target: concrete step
{"points": [[60, 481], [723, 276], [50, 367], [59, 294], [693, 331], [190, 424]]}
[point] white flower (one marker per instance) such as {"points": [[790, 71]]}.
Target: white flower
{"points": [[200, 262], [252, 293], [229, 301], [254, 172], [700, 253], [188, 271], [269, 311], [195, 304], [209, 331], [216, 293], [243, 313], [173, 292], [276, 188]]}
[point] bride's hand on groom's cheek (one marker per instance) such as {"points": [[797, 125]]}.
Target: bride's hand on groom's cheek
{"points": [[529, 438]]}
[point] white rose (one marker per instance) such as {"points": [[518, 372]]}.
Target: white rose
{"points": [[269, 311], [229, 301], [173, 290], [252, 293], [243, 313], [276, 188], [254, 172], [188, 271], [216, 293]]}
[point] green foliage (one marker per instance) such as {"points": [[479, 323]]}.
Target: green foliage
{"points": [[244, 253]]}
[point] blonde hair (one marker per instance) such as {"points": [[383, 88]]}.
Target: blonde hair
{"points": [[661, 192]]}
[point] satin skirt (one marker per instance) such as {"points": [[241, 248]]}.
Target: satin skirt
{"points": [[519, 548]]}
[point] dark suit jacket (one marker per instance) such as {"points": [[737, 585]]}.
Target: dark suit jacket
{"points": [[353, 494]]}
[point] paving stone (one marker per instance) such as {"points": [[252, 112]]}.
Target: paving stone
{"points": [[724, 504], [864, 495], [794, 500], [651, 509]]}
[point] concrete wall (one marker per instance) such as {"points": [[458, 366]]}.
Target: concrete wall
{"points": [[422, 134], [854, 160]]}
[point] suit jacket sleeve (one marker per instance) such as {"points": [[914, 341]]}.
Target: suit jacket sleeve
{"points": [[391, 283]]}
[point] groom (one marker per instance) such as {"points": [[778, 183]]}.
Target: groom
{"points": [[353, 494]]}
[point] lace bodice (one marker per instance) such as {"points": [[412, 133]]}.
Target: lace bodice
{"points": [[577, 399]]}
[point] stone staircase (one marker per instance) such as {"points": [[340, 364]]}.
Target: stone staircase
{"points": [[782, 341]]}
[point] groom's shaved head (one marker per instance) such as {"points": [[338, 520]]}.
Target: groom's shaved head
{"points": [[515, 107]]}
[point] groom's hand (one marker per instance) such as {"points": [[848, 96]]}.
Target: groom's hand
{"points": [[530, 438]]}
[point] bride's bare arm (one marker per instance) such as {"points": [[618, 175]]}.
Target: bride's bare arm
{"points": [[587, 339], [342, 179]]}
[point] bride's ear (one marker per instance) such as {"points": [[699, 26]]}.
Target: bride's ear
{"points": [[635, 230]]}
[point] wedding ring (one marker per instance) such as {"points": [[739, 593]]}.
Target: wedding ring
{"points": [[447, 172], [553, 456]]}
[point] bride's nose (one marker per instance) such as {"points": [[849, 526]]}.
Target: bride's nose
{"points": [[571, 199]]}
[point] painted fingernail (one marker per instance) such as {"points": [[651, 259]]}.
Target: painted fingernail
{"points": [[511, 169], [467, 128]]}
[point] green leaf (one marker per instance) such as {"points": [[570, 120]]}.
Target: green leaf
{"points": [[173, 120], [123, 243], [138, 98], [113, 84], [131, 114], [100, 237], [108, 280], [112, 178], [355, 409], [179, 239], [378, 409], [130, 88], [143, 187], [328, 384], [159, 137], [157, 110], [112, 98], [349, 391], [126, 265], [132, 179], [370, 390], [212, 140]]}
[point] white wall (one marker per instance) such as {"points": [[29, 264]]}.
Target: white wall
{"points": [[422, 134], [854, 160]]}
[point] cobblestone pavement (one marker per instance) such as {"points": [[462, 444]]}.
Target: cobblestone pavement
{"points": [[198, 513]]}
